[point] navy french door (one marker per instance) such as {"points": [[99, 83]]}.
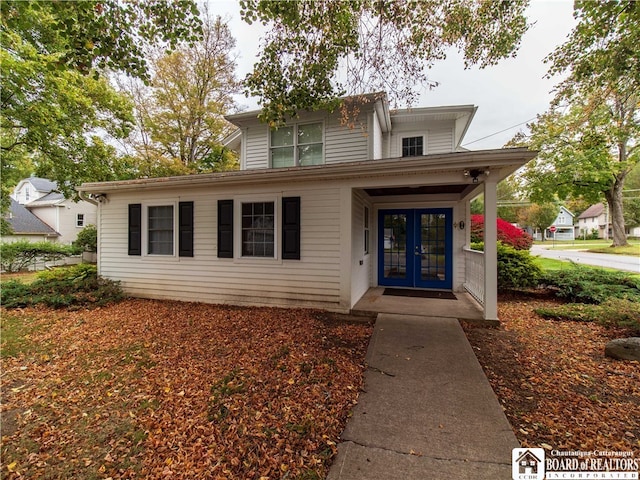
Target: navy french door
{"points": [[415, 248]]}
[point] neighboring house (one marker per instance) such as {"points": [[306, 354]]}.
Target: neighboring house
{"points": [[26, 226], [564, 228], [318, 214], [65, 217], [595, 219]]}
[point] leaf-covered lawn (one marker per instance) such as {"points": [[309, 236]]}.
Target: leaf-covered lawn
{"points": [[556, 386], [151, 389]]}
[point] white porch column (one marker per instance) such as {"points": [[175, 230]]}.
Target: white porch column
{"points": [[490, 250]]}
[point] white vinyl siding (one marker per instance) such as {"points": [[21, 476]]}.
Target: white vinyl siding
{"points": [[344, 144], [312, 281], [257, 147], [440, 140], [340, 144], [376, 138]]}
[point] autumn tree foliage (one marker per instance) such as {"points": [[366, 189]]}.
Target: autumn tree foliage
{"points": [[315, 52], [179, 114], [507, 233]]}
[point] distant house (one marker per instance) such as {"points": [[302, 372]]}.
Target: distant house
{"points": [[564, 228], [26, 226], [60, 219], [595, 219]]}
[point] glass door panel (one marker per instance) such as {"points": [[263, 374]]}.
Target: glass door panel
{"points": [[394, 245], [433, 249]]}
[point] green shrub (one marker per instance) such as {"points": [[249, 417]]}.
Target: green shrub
{"points": [[75, 287], [612, 312], [17, 256], [81, 271], [87, 240], [516, 268], [581, 284]]}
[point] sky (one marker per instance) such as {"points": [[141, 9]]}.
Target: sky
{"points": [[507, 95]]}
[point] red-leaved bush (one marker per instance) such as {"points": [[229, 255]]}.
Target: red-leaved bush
{"points": [[507, 233]]}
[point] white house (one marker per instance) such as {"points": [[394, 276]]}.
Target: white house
{"points": [[41, 198], [562, 226], [595, 219], [318, 214]]}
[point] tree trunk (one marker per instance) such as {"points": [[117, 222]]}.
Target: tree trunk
{"points": [[616, 213]]}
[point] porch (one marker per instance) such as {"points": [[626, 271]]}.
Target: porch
{"points": [[464, 307]]}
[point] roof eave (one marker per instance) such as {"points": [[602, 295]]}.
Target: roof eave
{"points": [[449, 161]]}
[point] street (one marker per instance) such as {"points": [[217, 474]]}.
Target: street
{"points": [[618, 262]]}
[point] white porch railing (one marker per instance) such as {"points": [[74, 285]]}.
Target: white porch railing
{"points": [[474, 274]]}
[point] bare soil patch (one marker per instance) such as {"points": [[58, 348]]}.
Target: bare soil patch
{"points": [[556, 386], [151, 389]]}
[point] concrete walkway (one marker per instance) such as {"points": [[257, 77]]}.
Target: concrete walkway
{"points": [[428, 411]]}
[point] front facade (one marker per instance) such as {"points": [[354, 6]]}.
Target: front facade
{"points": [[64, 217], [318, 214]]}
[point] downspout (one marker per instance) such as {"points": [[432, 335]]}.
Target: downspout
{"points": [[86, 198]]}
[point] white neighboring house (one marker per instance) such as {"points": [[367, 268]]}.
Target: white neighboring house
{"points": [[564, 228], [39, 196], [318, 214], [595, 218]]}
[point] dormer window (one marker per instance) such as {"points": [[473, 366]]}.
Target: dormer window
{"points": [[413, 146], [297, 145]]}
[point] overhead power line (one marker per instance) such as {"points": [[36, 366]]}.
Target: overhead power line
{"points": [[501, 131]]}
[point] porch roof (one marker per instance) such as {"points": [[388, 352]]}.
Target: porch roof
{"points": [[500, 163]]}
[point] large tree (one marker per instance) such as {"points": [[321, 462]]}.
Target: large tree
{"points": [[55, 100], [180, 112], [315, 52], [538, 216], [588, 141]]}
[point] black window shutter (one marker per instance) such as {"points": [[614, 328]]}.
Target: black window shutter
{"points": [[135, 229], [291, 228], [225, 228], [185, 229]]}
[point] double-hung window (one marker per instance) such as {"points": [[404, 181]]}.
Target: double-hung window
{"points": [[164, 229], [412, 146], [160, 232], [80, 220], [258, 229], [297, 145]]}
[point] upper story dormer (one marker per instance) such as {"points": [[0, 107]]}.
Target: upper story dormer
{"points": [[31, 189], [375, 132]]}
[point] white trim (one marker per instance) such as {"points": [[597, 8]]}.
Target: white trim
{"points": [[490, 249]]}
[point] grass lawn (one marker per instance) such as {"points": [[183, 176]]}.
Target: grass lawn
{"points": [[594, 246], [160, 389], [24, 277], [556, 386]]}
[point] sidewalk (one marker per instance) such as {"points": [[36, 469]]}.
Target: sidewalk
{"points": [[428, 411]]}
